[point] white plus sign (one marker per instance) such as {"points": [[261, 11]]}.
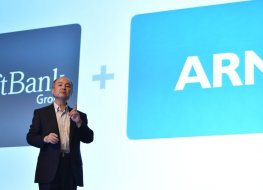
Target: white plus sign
{"points": [[103, 76]]}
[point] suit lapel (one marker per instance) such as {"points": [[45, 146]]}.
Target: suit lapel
{"points": [[53, 119], [72, 125]]}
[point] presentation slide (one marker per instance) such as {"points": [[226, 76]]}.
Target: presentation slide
{"points": [[173, 90]]}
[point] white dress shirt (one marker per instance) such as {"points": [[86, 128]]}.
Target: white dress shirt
{"points": [[63, 121]]}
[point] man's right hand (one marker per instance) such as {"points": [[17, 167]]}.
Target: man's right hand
{"points": [[51, 138]]}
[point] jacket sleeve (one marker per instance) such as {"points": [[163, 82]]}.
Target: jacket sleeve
{"points": [[86, 135], [34, 136]]}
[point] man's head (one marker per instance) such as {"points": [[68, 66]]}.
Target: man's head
{"points": [[62, 88]]}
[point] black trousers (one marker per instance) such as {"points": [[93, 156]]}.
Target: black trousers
{"points": [[64, 179]]}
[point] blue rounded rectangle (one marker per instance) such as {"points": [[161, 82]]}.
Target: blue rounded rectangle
{"points": [[30, 61], [222, 45]]}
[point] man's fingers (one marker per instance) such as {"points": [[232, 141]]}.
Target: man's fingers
{"points": [[53, 135], [52, 138], [53, 141], [73, 112]]}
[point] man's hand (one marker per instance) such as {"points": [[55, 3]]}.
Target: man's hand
{"points": [[74, 115], [51, 138]]}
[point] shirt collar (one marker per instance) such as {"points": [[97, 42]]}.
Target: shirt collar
{"points": [[57, 108]]}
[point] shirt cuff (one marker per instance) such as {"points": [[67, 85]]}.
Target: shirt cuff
{"points": [[79, 124]]}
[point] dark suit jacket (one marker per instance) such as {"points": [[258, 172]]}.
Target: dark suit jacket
{"points": [[44, 122]]}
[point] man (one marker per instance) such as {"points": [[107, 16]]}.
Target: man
{"points": [[58, 130]]}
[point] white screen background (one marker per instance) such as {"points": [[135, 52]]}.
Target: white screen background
{"points": [[113, 161]]}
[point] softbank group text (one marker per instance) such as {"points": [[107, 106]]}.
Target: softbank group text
{"points": [[16, 82]]}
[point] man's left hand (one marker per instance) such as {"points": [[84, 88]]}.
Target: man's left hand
{"points": [[74, 115]]}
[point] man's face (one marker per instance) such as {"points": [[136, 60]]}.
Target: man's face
{"points": [[62, 89]]}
